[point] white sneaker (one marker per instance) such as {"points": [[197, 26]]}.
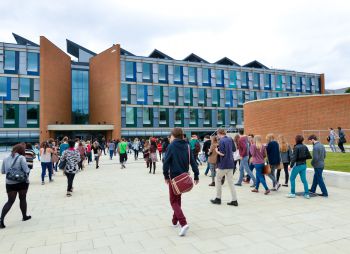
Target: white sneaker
{"points": [[184, 230], [307, 196], [290, 195]]}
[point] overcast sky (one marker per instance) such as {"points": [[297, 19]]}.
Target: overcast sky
{"points": [[301, 35]]}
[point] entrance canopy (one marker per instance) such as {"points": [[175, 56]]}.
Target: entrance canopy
{"points": [[80, 127]]}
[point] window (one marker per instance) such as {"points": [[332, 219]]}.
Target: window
{"points": [[289, 83], [10, 114], [266, 95], [221, 117], [201, 96], [241, 98], [228, 98], [163, 73], [219, 78], [318, 84], [3, 86], [187, 95], [130, 71], [125, 92], [24, 87], [32, 62], [206, 77], [193, 116], [163, 116], [192, 75], [233, 117], [233, 79], [256, 81], [32, 114], [172, 94], [80, 97], [279, 83], [244, 79], [298, 84], [178, 74], [10, 60], [267, 83], [157, 94], [178, 116], [308, 85], [130, 115], [147, 116], [253, 95], [147, 72], [141, 93], [216, 97], [207, 117]]}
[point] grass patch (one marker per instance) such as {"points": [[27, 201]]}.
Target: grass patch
{"points": [[336, 162]]}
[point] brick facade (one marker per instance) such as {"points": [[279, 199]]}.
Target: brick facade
{"points": [[290, 116]]}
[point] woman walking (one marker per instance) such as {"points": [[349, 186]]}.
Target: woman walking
{"points": [[81, 151], [274, 159], [136, 147], [15, 161], [331, 139], [46, 162], [88, 151], [258, 152], [54, 158], [145, 152], [153, 156], [286, 155], [159, 148], [72, 158], [97, 149], [212, 158], [298, 162], [236, 156]]}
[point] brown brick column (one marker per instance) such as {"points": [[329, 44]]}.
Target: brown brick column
{"points": [[104, 93], [323, 86], [55, 87]]}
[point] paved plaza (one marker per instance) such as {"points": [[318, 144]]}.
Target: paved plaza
{"points": [[127, 211]]}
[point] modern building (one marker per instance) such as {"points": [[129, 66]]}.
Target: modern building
{"points": [[116, 93]]}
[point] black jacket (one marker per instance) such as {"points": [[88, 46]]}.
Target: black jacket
{"points": [[206, 147], [300, 154], [176, 160]]}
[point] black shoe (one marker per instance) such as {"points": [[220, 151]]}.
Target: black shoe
{"points": [[233, 203], [322, 195], [285, 185], [212, 184], [2, 225], [311, 192], [27, 218], [216, 201]]}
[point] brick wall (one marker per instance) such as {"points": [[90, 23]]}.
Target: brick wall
{"points": [[290, 116]]}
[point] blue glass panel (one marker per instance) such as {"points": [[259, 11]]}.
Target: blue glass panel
{"points": [[10, 60], [298, 84], [228, 98], [267, 83], [24, 87], [206, 79], [219, 78], [32, 62], [80, 97], [187, 95], [172, 94], [178, 74], [124, 92], [156, 93], [201, 96], [233, 79], [163, 73], [130, 71], [192, 75], [3, 86], [257, 80], [147, 72]]}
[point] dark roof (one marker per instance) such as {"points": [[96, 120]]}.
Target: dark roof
{"points": [[73, 49], [227, 61], [158, 54], [125, 52], [23, 41], [194, 58], [255, 64]]}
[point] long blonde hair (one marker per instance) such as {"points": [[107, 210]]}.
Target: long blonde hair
{"points": [[214, 139], [257, 142], [283, 144]]}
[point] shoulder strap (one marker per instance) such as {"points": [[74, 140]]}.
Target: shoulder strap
{"points": [[189, 155], [14, 162]]}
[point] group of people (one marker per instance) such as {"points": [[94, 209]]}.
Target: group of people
{"points": [[333, 136]]}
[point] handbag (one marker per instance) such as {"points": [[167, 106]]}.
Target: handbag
{"points": [[15, 174], [267, 169], [182, 183], [62, 165]]}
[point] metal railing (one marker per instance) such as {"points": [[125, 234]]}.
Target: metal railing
{"points": [[228, 128]]}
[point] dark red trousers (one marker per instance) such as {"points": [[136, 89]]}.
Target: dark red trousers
{"points": [[175, 202]]}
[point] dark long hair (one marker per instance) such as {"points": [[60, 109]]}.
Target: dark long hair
{"points": [[44, 145], [19, 148]]}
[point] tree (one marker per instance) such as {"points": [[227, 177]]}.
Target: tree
{"points": [[347, 90]]}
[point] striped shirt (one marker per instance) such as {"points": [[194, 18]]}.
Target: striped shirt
{"points": [[30, 156]]}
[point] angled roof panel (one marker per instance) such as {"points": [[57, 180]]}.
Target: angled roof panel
{"points": [[73, 49], [125, 52], [158, 54], [255, 64], [194, 58], [23, 41], [227, 61]]}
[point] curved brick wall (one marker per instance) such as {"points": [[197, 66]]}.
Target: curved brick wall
{"points": [[290, 116]]}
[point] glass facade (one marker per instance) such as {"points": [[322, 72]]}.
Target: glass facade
{"points": [[147, 116], [130, 71], [173, 94], [130, 116], [24, 87], [10, 60], [256, 81], [206, 79], [147, 72], [32, 114], [3, 86], [219, 78], [80, 97], [178, 74], [192, 75], [32, 62], [233, 79], [10, 114], [163, 73]]}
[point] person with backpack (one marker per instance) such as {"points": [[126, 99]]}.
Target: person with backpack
{"points": [[159, 148], [298, 162], [17, 181], [176, 162]]}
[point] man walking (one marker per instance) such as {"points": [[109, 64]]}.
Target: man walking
{"points": [[243, 147], [318, 156], [225, 168], [122, 150], [205, 150], [342, 139], [177, 160]]}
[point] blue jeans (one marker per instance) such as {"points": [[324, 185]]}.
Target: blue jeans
{"points": [[111, 152], [244, 165], [260, 178], [44, 166], [208, 166], [318, 180], [301, 170]]}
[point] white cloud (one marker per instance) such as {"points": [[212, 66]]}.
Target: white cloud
{"points": [[311, 36]]}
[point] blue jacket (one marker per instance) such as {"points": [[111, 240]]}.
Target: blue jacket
{"points": [[177, 160], [273, 153], [226, 147]]}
